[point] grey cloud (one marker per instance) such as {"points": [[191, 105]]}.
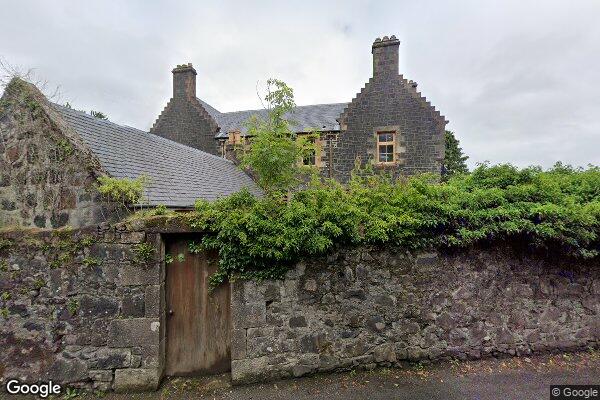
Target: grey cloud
{"points": [[517, 79]]}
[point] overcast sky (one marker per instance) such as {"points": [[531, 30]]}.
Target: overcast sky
{"points": [[519, 81]]}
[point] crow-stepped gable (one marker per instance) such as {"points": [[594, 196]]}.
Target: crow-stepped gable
{"points": [[388, 125]]}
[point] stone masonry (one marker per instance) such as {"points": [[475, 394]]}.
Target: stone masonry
{"points": [[82, 308], [86, 308], [184, 119], [388, 102], [47, 174], [364, 308]]}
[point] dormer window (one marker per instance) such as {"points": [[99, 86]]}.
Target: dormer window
{"points": [[386, 147]]}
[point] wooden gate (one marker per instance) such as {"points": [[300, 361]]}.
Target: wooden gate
{"points": [[198, 322]]}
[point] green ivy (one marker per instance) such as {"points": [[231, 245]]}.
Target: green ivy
{"points": [[556, 210], [91, 262], [73, 306], [66, 150], [5, 244], [87, 241], [39, 283]]}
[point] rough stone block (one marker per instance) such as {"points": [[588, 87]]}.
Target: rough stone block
{"points": [[67, 370], [136, 380], [107, 358], [152, 298], [385, 353], [249, 315], [301, 370], [110, 251], [150, 356], [101, 375], [98, 307], [250, 370], [132, 237], [134, 332], [298, 322], [238, 344], [133, 274], [133, 305]]}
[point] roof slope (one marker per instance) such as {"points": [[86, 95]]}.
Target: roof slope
{"points": [[302, 118], [179, 175]]}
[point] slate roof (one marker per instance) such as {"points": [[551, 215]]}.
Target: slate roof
{"points": [[178, 174], [303, 118]]}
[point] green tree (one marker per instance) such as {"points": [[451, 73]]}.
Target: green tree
{"points": [[275, 149], [455, 160]]}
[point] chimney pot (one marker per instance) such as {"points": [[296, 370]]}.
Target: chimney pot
{"points": [[385, 57]]}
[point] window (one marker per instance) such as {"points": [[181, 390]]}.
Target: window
{"points": [[234, 137], [311, 156], [385, 147]]}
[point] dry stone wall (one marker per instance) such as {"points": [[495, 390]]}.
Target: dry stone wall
{"points": [[369, 307]]}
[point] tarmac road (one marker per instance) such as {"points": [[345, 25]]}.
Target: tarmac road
{"points": [[515, 378]]}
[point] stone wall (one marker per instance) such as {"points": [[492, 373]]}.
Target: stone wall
{"points": [[368, 307], [86, 308], [47, 174], [83, 308]]}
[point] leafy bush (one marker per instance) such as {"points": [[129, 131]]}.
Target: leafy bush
{"points": [[124, 191], [557, 210], [143, 252]]}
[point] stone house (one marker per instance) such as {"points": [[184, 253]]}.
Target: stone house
{"points": [[51, 157], [388, 124]]}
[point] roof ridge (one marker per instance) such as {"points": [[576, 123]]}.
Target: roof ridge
{"points": [[95, 119], [264, 109]]}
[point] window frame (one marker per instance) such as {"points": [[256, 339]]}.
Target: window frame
{"points": [[391, 142]]}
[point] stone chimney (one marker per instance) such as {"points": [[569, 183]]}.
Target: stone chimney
{"points": [[385, 57], [184, 81]]}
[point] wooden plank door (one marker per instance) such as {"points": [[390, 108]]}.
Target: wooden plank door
{"points": [[198, 322]]}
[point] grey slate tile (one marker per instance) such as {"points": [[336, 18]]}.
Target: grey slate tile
{"points": [[303, 118], [178, 174]]}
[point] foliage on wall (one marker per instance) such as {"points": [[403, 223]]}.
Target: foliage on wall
{"points": [[124, 191], [555, 211]]}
